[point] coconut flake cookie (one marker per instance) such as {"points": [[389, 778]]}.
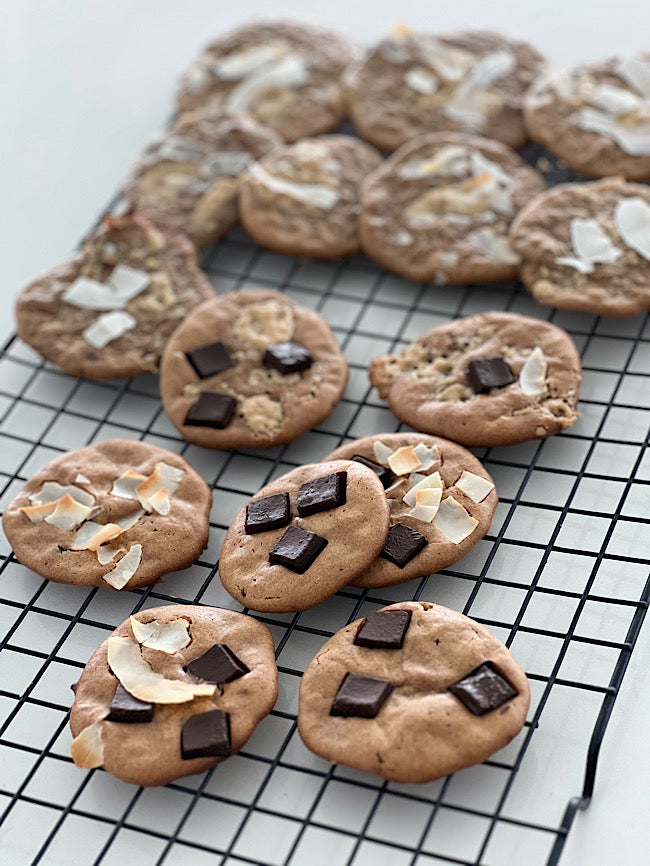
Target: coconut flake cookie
{"points": [[304, 536], [187, 180], [586, 246], [441, 503], [108, 311], [251, 370], [596, 117], [287, 76], [172, 692], [117, 513], [492, 379], [471, 81], [303, 199], [439, 209], [412, 692]]}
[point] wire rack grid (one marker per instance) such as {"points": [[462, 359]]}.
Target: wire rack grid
{"points": [[562, 579]]}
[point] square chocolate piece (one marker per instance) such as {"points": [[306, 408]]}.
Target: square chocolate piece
{"points": [[360, 696], [297, 549], [486, 373], [210, 360], [126, 708], [211, 410], [384, 629], [287, 358], [218, 665], [385, 475], [483, 690], [272, 512], [206, 735], [321, 494], [402, 544]]}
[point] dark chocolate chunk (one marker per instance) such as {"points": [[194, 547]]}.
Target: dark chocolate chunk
{"points": [[321, 494], [218, 665], [211, 359], [486, 373], [126, 708], [384, 629], [483, 690], [360, 696], [297, 549], [211, 410], [288, 358], [402, 544], [385, 475], [206, 735], [272, 512]]}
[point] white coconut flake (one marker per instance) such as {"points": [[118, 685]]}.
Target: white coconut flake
{"points": [[427, 456], [454, 521], [632, 220], [87, 748], [636, 73], [450, 161], [159, 502], [125, 568], [246, 61], [467, 102], [107, 328], [382, 452], [108, 554], [401, 238], [139, 678], [91, 535], [421, 80], [591, 246], [80, 478], [404, 460], [426, 504], [634, 140], [225, 164], [52, 490], [128, 522], [474, 486], [68, 513], [91, 295], [290, 72], [614, 100], [449, 259], [415, 478], [127, 282], [167, 637], [317, 194], [532, 378], [493, 246], [125, 485], [429, 482]]}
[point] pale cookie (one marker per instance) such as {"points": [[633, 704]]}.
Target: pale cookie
{"points": [[303, 199], [412, 692], [471, 81], [439, 209], [251, 369], [172, 692], [287, 76], [108, 311], [441, 503], [187, 181], [595, 117], [487, 380], [117, 513], [586, 246], [304, 536]]}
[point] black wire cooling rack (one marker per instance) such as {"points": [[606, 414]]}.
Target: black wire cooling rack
{"points": [[562, 579]]}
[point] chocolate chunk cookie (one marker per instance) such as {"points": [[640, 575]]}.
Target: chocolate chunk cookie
{"points": [[287, 76], [186, 181], [440, 207], [491, 379], [303, 199], [586, 246], [441, 503], [250, 370], [471, 81], [118, 513], [172, 692], [596, 117], [108, 312], [412, 692], [304, 536]]}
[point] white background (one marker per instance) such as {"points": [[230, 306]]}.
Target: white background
{"points": [[85, 83]]}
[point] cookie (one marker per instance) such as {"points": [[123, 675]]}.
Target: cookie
{"points": [[187, 180], [304, 536], [172, 692], [586, 246], [108, 311], [441, 503], [595, 117], [487, 380], [470, 81], [251, 370], [439, 209], [303, 199], [286, 75], [413, 692], [117, 513]]}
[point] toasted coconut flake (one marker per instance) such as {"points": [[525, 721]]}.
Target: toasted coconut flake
{"points": [[87, 749], [160, 502], [68, 513], [125, 568], [404, 460], [139, 678], [532, 378], [128, 522], [164, 477], [454, 521], [429, 482], [427, 456], [91, 535], [80, 478], [474, 486], [38, 513], [426, 504], [382, 452], [125, 485], [52, 490], [168, 637], [108, 554]]}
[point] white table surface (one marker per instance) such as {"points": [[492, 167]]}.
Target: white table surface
{"points": [[84, 84]]}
